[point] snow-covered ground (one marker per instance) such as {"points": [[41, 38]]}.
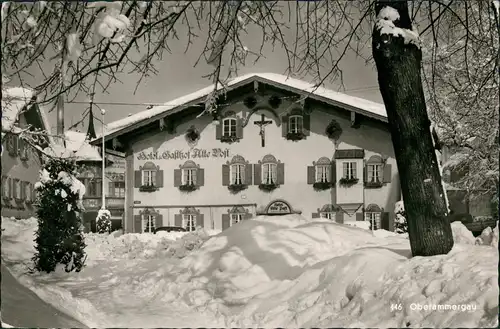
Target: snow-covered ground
{"points": [[268, 272]]}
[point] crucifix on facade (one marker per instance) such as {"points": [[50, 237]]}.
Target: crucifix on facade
{"points": [[262, 123]]}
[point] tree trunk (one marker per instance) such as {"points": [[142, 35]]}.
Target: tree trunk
{"points": [[398, 66]]}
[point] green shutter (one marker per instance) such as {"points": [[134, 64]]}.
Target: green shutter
{"points": [[387, 173], [178, 220], [359, 217], [226, 221], [311, 175], [14, 185], [177, 177], [158, 220], [23, 190], [239, 128], [137, 178], [137, 224], [200, 220], [284, 125], [248, 174], [315, 215], [225, 175], [307, 124], [257, 174], [281, 173], [384, 221], [159, 178], [200, 177], [218, 130]]}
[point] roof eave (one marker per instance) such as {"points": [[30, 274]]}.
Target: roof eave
{"points": [[250, 79]]}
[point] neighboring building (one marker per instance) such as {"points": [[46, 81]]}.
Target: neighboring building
{"points": [[90, 174], [20, 161], [269, 152]]}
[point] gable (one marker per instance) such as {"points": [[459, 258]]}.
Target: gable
{"points": [[241, 85]]}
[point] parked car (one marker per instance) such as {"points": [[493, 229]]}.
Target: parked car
{"points": [[170, 229]]}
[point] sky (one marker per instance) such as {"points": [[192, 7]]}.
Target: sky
{"points": [[178, 75]]}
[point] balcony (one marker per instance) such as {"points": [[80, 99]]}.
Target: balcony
{"points": [[111, 203]]}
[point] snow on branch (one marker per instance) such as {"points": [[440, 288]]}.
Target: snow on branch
{"points": [[386, 26]]}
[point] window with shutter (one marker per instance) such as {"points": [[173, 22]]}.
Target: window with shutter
{"points": [[236, 215], [269, 173], [189, 218], [328, 211], [189, 176], [151, 177], [189, 222], [374, 172], [237, 174], [148, 222], [231, 128], [320, 174], [295, 124], [349, 170], [373, 215], [272, 173]]}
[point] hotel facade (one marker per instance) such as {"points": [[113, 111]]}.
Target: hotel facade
{"points": [[275, 146]]}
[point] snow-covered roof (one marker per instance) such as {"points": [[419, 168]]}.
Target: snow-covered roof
{"points": [[13, 101], [356, 104], [77, 143]]}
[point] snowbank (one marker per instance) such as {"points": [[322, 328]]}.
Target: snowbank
{"points": [[281, 271], [461, 233], [488, 237]]}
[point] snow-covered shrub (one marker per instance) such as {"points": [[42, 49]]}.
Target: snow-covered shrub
{"points": [[189, 242], [400, 224], [103, 221], [59, 237]]}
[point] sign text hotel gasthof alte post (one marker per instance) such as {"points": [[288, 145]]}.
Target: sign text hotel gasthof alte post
{"points": [[184, 155]]}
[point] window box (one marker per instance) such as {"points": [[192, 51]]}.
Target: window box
{"points": [[375, 184], [235, 188], [347, 182], [148, 188], [295, 136], [321, 186], [268, 187], [187, 187], [229, 139]]}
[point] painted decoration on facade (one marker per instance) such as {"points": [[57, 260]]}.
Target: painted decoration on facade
{"points": [[185, 155], [278, 208]]}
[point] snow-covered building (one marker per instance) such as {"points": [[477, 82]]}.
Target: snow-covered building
{"points": [[21, 160], [277, 145], [90, 174]]}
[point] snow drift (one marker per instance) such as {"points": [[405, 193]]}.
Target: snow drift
{"points": [[282, 271]]}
